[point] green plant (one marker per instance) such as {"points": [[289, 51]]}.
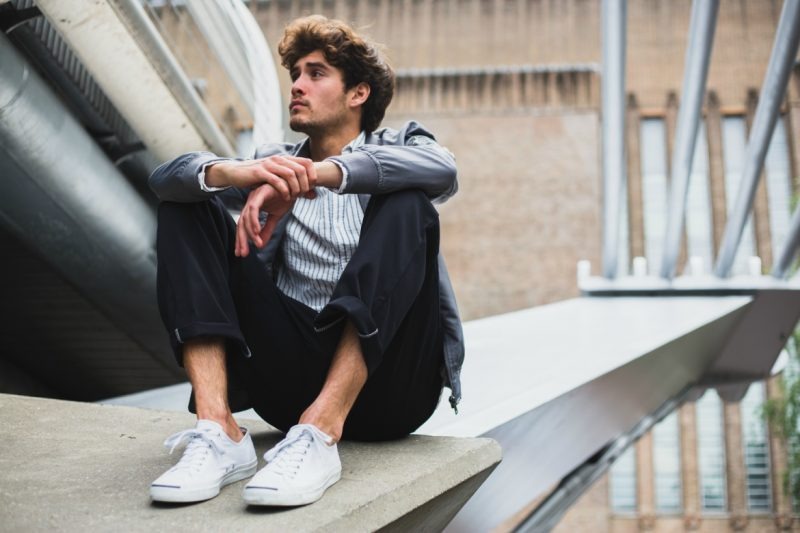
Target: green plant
{"points": [[782, 413]]}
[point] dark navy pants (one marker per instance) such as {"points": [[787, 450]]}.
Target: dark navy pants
{"points": [[278, 349]]}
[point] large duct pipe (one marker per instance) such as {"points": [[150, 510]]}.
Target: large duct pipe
{"points": [[127, 57], [64, 199]]}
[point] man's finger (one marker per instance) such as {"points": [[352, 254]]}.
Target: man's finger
{"points": [[285, 170], [241, 248], [311, 170], [266, 232], [280, 186], [301, 173], [252, 224]]}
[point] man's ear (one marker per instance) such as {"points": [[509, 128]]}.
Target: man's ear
{"points": [[359, 94]]}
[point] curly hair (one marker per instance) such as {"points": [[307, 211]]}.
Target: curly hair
{"points": [[359, 60]]}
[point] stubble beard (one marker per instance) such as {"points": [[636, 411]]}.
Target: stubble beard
{"points": [[319, 127]]}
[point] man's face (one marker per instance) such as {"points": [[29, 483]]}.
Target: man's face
{"points": [[319, 100]]}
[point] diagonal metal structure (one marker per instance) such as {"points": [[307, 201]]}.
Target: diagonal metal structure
{"points": [[613, 138], [564, 406], [698, 55], [789, 249], [773, 89]]}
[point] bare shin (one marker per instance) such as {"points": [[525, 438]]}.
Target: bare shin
{"points": [[204, 361], [346, 377]]}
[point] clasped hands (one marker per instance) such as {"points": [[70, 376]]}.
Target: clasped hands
{"points": [[275, 183]]}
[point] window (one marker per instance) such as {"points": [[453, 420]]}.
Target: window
{"points": [[623, 250], [622, 480], [698, 204], [756, 450], [711, 452], [779, 189], [245, 146], [734, 144], [654, 189], [667, 464]]}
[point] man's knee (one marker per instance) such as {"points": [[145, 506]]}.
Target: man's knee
{"points": [[409, 203], [180, 217]]}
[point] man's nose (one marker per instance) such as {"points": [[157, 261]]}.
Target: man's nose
{"points": [[297, 87]]}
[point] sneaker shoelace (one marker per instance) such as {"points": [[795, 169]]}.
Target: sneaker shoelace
{"points": [[285, 458], [197, 447]]}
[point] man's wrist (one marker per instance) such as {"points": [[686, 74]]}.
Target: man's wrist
{"points": [[215, 175], [329, 174]]}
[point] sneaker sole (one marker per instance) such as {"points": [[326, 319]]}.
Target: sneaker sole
{"points": [[268, 496], [174, 494]]}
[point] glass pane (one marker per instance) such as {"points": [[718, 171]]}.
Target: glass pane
{"points": [[623, 250], [779, 188], [622, 478], [734, 144], [698, 204], [653, 147], [756, 450], [667, 465], [711, 452]]}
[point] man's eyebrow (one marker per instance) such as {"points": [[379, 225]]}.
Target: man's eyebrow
{"points": [[316, 64]]}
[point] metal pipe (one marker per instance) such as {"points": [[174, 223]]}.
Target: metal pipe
{"points": [[698, 52], [127, 57], [789, 250], [774, 87], [71, 206], [613, 93]]}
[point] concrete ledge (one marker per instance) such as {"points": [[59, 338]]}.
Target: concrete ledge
{"points": [[75, 467]]}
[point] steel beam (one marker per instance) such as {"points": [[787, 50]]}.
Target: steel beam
{"points": [[613, 93], [548, 513], [127, 57], [773, 89], [698, 52], [789, 250]]}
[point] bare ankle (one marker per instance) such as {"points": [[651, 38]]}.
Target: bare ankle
{"points": [[227, 422], [330, 425]]}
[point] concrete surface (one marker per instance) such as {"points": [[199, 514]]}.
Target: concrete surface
{"points": [[83, 467]]}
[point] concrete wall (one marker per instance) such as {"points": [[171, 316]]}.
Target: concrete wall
{"points": [[527, 209]]}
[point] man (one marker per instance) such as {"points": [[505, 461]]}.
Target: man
{"points": [[341, 322]]}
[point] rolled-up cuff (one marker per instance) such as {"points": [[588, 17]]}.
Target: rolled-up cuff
{"points": [[232, 335], [363, 172], [350, 307]]}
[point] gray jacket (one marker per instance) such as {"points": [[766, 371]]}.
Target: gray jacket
{"points": [[388, 161]]}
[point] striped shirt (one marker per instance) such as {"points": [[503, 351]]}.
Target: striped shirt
{"points": [[321, 235]]}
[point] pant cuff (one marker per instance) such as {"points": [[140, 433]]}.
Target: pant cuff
{"points": [[350, 307], [232, 335]]}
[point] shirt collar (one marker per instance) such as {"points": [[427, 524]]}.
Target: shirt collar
{"points": [[304, 149], [355, 143]]}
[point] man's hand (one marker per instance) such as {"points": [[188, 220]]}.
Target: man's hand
{"points": [[288, 175], [265, 198]]}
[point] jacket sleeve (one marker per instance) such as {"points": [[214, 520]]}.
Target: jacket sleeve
{"points": [[178, 180], [405, 159]]}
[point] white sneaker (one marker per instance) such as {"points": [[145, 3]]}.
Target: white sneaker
{"points": [[210, 461], [299, 469]]}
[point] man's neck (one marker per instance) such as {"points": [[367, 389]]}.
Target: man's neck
{"points": [[329, 145]]}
